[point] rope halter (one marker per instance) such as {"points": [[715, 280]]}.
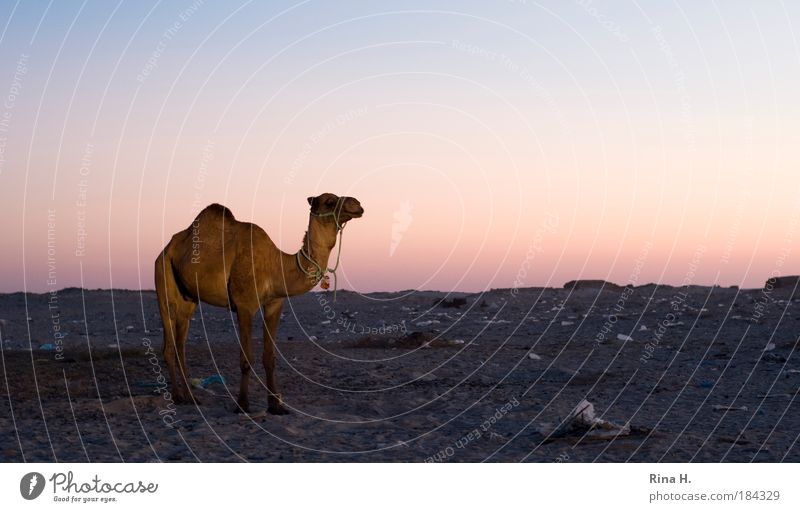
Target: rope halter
{"points": [[318, 273]]}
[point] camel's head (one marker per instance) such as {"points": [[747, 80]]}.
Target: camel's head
{"points": [[339, 209]]}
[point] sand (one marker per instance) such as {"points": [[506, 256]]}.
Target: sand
{"points": [[391, 377]]}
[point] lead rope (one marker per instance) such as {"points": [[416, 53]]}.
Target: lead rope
{"points": [[318, 273]]}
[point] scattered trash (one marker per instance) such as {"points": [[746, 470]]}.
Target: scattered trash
{"points": [[426, 323], [776, 395], [770, 346], [624, 337], [583, 419], [535, 357], [47, 346], [204, 383], [729, 408], [214, 379], [129, 328], [325, 322], [312, 338], [642, 327], [565, 323]]}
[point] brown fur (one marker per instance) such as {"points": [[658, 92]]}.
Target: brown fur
{"points": [[224, 262]]}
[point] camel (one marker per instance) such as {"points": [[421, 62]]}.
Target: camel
{"points": [[224, 262]]}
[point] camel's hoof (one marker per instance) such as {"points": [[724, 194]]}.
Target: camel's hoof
{"points": [[183, 397], [278, 410]]}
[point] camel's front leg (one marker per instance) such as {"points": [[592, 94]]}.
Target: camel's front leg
{"points": [[272, 315]]}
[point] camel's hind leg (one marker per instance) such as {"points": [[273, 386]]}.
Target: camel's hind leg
{"points": [[176, 311]]}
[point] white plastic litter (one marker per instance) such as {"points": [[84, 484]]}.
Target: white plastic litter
{"points": [[624, 337], [535, 357], [729, 408], [583, 417]]}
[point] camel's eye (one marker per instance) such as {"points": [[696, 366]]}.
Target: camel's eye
{"points": [[330, 202]]}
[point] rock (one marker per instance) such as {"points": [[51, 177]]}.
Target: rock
{"points": [[455, 302], [790, 282], [592, 284]]}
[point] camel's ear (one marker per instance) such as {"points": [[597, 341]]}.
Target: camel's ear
{"points": [[310, 201]]}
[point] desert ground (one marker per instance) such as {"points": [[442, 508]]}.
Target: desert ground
{"points": [[676, 374]]}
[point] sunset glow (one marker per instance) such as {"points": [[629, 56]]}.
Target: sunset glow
{"points": [[492, 144]]}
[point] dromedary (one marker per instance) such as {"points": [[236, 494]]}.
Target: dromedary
{"points": [[224, 262]]}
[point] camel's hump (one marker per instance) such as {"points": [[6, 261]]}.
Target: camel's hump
{"points": [[216, 209]]}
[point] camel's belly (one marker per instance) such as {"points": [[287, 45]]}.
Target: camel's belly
{"points": [[204, 271]]}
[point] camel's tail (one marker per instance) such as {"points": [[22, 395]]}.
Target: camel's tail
{"points": [[166, 284]]}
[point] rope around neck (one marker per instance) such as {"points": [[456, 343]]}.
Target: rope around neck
{"points": [[318, 273]]}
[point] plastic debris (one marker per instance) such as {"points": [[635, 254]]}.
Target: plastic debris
{"points": [[624, 337], [770, 346], [565, 323], [47, 346], [583, 419], [729, 408], [196, 382], [642, 327], [214, 379], [535, 357]]}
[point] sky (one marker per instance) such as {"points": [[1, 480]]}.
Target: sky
{"points": [[493, 144]]}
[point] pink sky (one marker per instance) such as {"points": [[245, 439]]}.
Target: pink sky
{"points": [[488, 151]]}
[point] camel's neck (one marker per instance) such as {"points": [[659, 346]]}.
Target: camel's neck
{"points": [[318, 242]]}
